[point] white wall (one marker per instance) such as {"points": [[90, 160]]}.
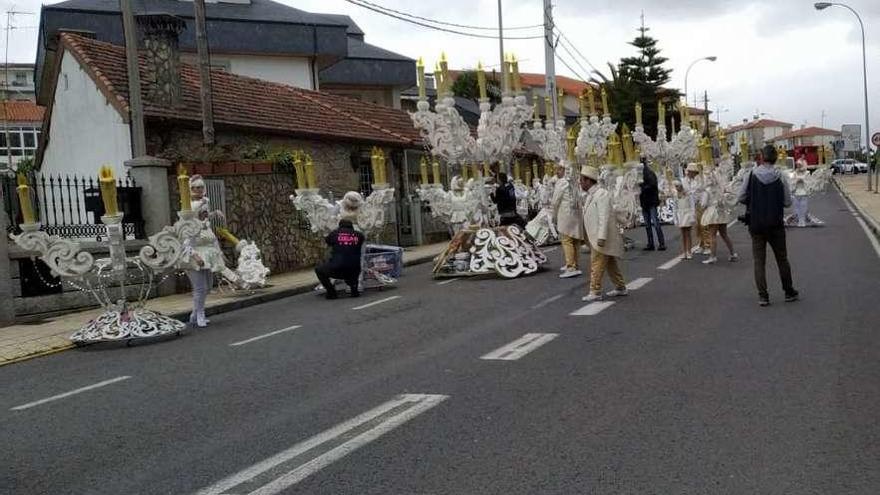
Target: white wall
{"points": [[86, 132], [295, 71]]}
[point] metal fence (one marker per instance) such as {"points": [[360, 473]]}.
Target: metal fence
{"points": [[71, 206]]}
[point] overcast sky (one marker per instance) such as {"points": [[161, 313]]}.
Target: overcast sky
{"points": [[779, 57]]}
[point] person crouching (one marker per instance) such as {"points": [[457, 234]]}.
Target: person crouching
{"points": [[603, 234], [345, 259]]}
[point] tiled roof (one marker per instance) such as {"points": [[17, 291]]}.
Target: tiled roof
{"points": [[566, 84], [756, 124], [21, 111], [808, 131], [697, 111], [250, 103]]}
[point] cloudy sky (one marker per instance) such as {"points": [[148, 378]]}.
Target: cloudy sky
{"points": [[781, 58]]}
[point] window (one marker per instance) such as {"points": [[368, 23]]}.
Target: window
{"points": [[22, 141], [21, 79]]}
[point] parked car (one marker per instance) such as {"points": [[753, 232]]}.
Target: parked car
{"points": [[860, 168], [843, 166]]}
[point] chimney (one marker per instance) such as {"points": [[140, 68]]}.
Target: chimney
{"points": [[160, 41]]}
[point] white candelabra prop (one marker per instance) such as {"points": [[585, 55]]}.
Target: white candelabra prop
{"points": [[622, 175], [659, 152], [367, 215], [121, 319], [683, 147], [250, 272], [478, 246], [592, 140]]}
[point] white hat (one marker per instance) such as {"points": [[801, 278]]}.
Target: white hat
{"points": [[693, 167], [590, 172]]}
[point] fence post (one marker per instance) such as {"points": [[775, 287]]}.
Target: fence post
{"points": [[7, 306], [151, 174]]}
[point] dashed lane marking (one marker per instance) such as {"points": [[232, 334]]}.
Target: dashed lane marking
{"points": [[445, 282], [68, 394], [669, 265], [638, 283], [593, 308], [261, 337], [520, 347], [380, 301], [548, 301]]}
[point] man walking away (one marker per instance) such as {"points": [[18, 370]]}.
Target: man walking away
{"points": [[650, 201], [345, 259], [766, 193]]}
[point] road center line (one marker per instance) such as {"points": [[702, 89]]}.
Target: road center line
{"points": [[593, 308], [638, 283], [548, 301], [445, 282], [380, 301], [731, 224], [550, 249], [669, 265], [68, 394], [260, 337], [520, 347], [293, 465]]}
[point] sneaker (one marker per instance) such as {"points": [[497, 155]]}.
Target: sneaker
{"points": [[710, 260], [563, 268], [733, 258], [707, 252], [696, 250], [689, 256], [649, 248], [794, 296], [623, 291], [661, 248], [571, 272], [592, 296], [763, 302]]}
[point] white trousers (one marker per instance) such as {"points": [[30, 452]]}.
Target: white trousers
{"points": [[800, 204], [201, 281]]}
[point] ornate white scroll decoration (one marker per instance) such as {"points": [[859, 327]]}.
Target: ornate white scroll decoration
{"points": [[444, 130], [123, 322], [250, 270], [593, 136], [63, 256], [683, 148], [166, 246], [324, 216], [371, 216], [550, 139], [500, 129], [509, 254]]}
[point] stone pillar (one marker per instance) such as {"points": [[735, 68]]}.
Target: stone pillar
{"points": [[151, 174], [160, 40], [7, 306]]}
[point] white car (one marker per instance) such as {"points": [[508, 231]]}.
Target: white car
{"points": [[860, 168], [843, 166]]}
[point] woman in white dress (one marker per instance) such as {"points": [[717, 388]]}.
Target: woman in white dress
{"points": [[718, 211], [685, 215], [202, 256], [800, 191]]}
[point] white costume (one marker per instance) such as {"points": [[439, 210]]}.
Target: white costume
{"points": [[542, 228], [568, 219], [718, 201], [800, 194], [685, 211], [203, 246]]}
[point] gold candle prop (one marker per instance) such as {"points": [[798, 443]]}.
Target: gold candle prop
{"points": [[629, 149], [571, 141], [226, 234], [548, 168], [661, 113], [591, 100], [311, 181], [486, 171], [582, 106], [560, 106], [535, 172], [528, 177], [24, 198], [374, 165], [743, 148], [605, 102], [517, 82], [108, 190], [435, 170], [517, 171], [423, 169], [638, 114], [535, 105], [548, 110], [509, 72], [481, 81], [183, 186], [444, 71], [300, 170], [420, 68], [465, 172]]}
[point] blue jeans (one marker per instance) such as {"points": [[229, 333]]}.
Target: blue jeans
{"points": [[652, 218]]}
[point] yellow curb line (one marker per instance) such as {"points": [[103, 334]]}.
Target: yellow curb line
{"points": [[37, 354]]}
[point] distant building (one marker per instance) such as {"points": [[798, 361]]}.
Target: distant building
{"points": [[22, 121], [17, 82], [697, 118], [807, 136], [758, 132]]}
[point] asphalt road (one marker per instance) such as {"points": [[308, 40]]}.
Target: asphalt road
{"points": [[685, 386]]}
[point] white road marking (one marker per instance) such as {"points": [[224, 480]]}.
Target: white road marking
{"points": [[593, 308], [260, 337], [380, 301], [638, 283], [548, 301], [445, 282], [550, 249], [731, 224], [669, 265], [871, 238], [317, 452], [520, 347], [68, 394]]}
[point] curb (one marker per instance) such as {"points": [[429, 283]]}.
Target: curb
{"points": [[220, 308], [872, 224]]}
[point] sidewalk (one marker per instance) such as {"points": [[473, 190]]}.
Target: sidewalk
{"points": [[25, 341], [855, 187]]}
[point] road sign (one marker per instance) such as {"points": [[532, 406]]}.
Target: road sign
{"points": [[852, 137], [875, 139]]}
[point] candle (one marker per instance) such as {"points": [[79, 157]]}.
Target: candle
{"points": [[591, 100], [24, 198], [444, 69], [548, 111], [582, 105], [509, 74], [435, 169], [465, 172], [423, 168], [517, 83], [300, 170], [571, 139], [516, 170], [420, 69], [535, 170], [183, 186], [535, 105], [528, 177], [604, 103], [311, 181], [661, 113], [743, 149], [438, 79], [486, 171], [629, 150], [638, 114], [108, 190], [226, 234], [682, 111], [481, 81], [560, 106]]}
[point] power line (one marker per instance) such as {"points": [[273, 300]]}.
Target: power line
{"points": [[574, 58], [443, 23], [437, 28], [565, 63], [572, 45]]}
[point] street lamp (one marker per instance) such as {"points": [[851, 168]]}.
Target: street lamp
{"points": [[823, 6], [710, 59]]}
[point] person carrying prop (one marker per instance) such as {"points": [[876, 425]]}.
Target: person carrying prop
{"points": [[685, 217], [603, 234], [569, 222], [718, 211], [345, 244], [201, 256]]}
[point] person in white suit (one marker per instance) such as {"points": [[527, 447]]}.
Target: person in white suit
{"points": [[604, 236], [569, 223]]}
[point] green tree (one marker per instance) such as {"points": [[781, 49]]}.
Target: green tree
{"points": [[467, 86]]}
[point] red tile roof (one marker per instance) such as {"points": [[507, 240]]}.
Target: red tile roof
{"points": [[757, 124], [21, 111], [530, 80], [249, 103], [808, 131]]}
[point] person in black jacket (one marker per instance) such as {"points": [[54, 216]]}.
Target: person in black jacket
{"points": [[505, 197], [650, 200], [345, 259], [766, 193]]}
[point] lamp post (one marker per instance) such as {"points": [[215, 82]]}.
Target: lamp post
{"points": [[710, 59], [823, 6]]}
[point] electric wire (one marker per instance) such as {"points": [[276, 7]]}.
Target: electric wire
{"points": [[434, 21]]}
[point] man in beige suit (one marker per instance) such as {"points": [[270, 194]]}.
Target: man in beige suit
{"points": [[569, 223], [604, 236]]}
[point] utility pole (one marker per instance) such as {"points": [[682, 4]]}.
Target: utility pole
{"points": [[504, 88], [550, 63], [138, 139], [706, 132], [823, 119], [205, 73]]}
